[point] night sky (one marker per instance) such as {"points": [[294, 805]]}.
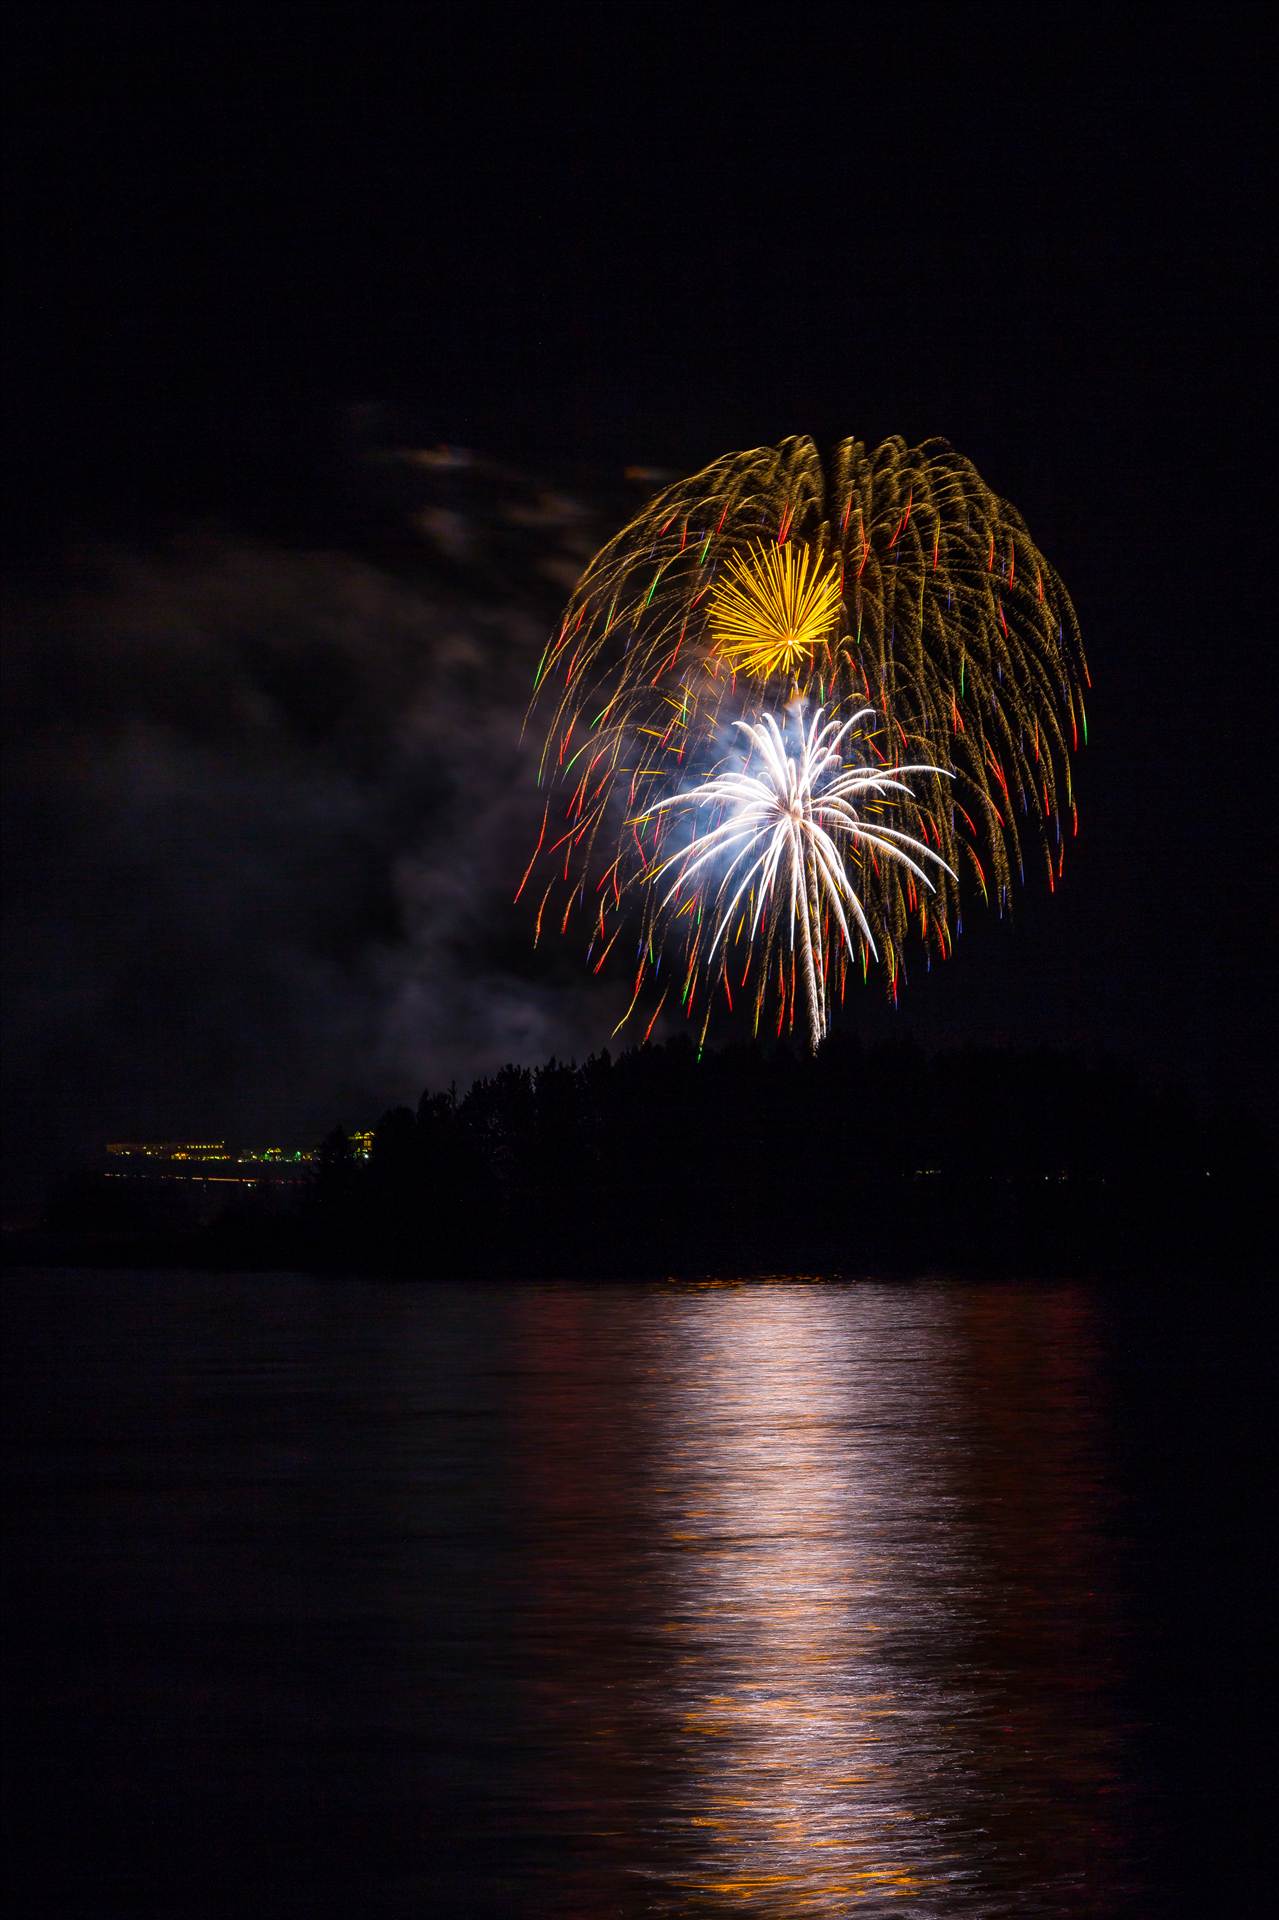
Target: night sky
{"points": [[268, 646]]}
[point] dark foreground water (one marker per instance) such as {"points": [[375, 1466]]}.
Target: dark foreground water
{"points": [[350, 1598]]}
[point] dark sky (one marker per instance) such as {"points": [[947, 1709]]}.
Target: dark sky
{"points": [[265, 795]]}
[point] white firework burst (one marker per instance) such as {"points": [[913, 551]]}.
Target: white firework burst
{"points": [[790, 831]]}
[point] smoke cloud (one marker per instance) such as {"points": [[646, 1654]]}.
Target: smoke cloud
{"points": [[267, 808]]}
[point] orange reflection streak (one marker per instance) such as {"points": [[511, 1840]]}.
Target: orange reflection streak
{"points": [[1035, 1515], [812, 1605], [796, 1724], [882, 1559]]}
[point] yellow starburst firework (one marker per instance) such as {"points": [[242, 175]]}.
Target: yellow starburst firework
{"points": [[772, 608]]}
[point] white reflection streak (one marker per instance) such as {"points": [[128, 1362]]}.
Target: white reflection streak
{"points": [[798, 1735]]}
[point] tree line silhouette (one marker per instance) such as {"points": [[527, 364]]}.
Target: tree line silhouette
{"points": [[859, 1160]]}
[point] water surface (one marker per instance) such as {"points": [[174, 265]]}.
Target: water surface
{"points": [[772, 1598]]}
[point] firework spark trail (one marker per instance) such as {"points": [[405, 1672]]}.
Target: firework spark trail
{"points": [[891, 577], [785, 823]]}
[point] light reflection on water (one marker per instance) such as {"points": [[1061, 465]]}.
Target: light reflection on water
{"points": [[775, 1599], [802, 1749], [828, 1461]]}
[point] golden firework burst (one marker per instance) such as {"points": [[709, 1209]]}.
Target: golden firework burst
{"points": [[888, 578], [772, 607]]}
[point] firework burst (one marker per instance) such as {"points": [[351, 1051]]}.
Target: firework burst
{"points": [[770, 610], [890, 578], [786, 833]]}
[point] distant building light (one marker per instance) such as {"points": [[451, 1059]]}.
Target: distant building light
{"points": [[170, 1149], [181, 1153]]}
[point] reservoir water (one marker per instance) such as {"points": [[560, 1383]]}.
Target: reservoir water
{"points": [[773, 1598]]}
